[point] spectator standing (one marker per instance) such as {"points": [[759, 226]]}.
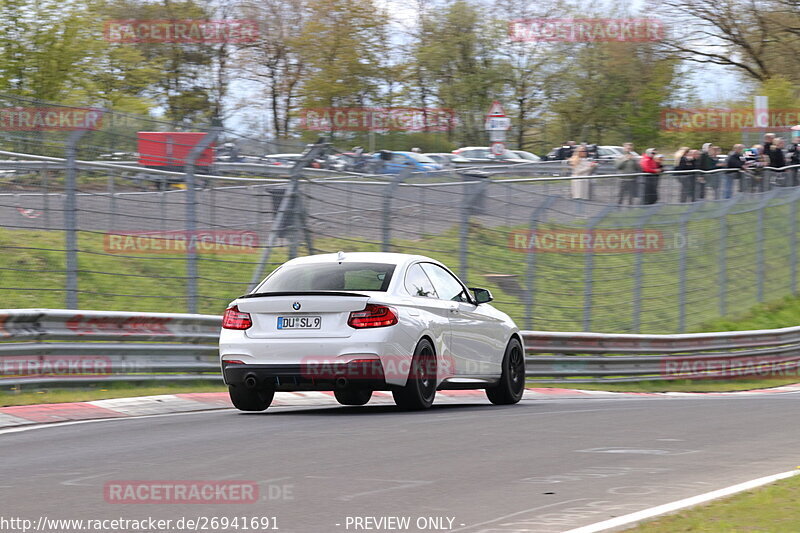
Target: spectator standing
{"points": [[581, 166], [627, 163], [755, 161], [777, 159], [566, 151], [708, 161], [794, 159], [769, 138], [736, 162], [687, 160], [651, 165]]}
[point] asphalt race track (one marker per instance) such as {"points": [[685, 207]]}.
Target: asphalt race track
{"points": [[544, 465]]}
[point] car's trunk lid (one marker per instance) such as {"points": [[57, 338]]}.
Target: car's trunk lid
{"points": [[301, 314]]}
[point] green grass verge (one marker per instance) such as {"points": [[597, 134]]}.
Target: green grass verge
{"points": [[773, 508], [563, 295], [684, 385], [102, 392]]}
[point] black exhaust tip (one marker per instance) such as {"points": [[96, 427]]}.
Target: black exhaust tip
{"points": [[250, 381]]}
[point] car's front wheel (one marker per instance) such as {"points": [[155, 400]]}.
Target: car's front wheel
{"points": [[512, 381], [245, 399], [351, 396], [420, 388]]}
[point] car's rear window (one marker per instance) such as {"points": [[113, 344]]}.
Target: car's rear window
{"points": [[329, 277]]}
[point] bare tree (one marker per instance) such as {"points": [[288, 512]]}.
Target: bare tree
{"points": [[273, 60], [756, 37]]}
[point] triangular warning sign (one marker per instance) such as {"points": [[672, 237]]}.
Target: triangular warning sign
{"points": [[496, 110]]}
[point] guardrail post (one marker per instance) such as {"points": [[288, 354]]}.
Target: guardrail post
{"points": [[636, 318], [71, 218], [684, 220], [191, 215], [530, 280], [588, 270]]}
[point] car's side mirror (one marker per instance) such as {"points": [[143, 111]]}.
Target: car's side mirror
{"points": [[482, 296]]}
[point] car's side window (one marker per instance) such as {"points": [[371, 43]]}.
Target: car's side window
{"points": [[418, 284], [447, 287]]}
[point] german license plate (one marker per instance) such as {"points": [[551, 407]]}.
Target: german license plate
{"points": [[299, 322]]}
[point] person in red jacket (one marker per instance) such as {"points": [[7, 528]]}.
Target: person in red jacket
{"points": [[651, 165]]}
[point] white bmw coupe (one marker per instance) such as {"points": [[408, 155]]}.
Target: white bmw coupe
{"points": [[354, 323]]}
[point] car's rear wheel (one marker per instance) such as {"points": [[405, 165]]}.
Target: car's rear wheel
{"points": [[420, 389], [512, 381], [351, 396], [245, 399]]}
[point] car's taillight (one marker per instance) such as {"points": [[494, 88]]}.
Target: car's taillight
{"points": [[235, 319], [373, 316]]}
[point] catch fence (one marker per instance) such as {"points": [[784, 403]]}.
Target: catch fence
{"points": [[80, 233]]}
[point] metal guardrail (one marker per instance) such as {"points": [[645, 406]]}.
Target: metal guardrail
{"points": [[105, 346]]}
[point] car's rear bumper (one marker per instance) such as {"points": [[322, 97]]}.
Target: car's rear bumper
{"points": [[319, 375]]}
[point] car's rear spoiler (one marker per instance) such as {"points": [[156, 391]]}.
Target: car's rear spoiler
{"points": [[302, 293]]}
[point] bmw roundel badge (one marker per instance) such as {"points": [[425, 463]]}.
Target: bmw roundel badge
{"points": [[296, 306]]}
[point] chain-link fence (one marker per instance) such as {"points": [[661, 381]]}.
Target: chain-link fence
{"points": [[111, 236]]}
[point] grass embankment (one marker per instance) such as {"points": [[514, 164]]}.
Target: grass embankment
{"points": [[773, 508]]}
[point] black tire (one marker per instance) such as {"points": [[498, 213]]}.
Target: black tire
{"points": [[250, 400], [351, 396], [420, 390], [512, 381]]}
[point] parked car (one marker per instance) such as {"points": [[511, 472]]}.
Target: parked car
{"points": [[448, 160], [528, 156], [354, 323], [281, 160], [405, 160], [600, 153], [483, 154], [610, 152]]}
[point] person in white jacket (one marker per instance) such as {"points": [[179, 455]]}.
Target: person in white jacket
{"points": [[581, 166]]}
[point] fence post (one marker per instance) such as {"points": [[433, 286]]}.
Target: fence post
{"points": [[287, 208], [760, 244], [793, 245], [588, 268], [475, 185], [530, 280], [636, 319], [722, 280], [46, 197], [71, 218], [386, 240], [191, 214], [113, 201], [684, 220]]}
